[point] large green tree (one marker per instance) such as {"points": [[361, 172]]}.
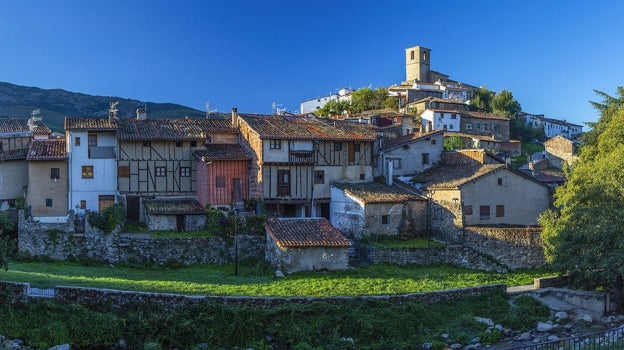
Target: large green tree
{"points": [[482, 100], [367, 99], [333, 107], [584, 236]]}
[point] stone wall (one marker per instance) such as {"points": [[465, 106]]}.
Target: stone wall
{"points": [[12, 292], [455, 255], [59, 242]]}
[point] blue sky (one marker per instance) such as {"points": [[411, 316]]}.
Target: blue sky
{"points": [[551, 54]]}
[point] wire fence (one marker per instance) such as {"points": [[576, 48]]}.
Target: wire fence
{"points": [[610, 339]]}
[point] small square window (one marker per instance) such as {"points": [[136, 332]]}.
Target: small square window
{"points": [[87, 172], [396, 163], [275, 144], [220, 181], [77, 141], [185, 172], [319, 176], [500, 211], [384, 219], [48, 202], [123, 171], [484, 212], [92, 138], [425, 158], [337, 146], [83, 204], [55, 173], [433, 142], [500, 181], [161, 171], [468, 126], [468, 209], [362, 176]]}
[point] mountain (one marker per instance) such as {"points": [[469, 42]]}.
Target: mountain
{"points": [[55, 104]]}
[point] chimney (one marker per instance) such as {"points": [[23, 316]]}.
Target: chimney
{"points": [[141, 113], [234, 117], [390, 172]]}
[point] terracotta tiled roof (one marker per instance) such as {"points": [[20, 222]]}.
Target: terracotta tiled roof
{"points": [[404, 139], [53, 149], [374, 192], [305, 232], [14, 154], [217, 151], [173, 206], [172, 129], [279, 127], [447, 177], [9, 125], [89, 124]]}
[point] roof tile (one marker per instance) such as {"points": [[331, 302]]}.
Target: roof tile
{"points": [[172, 206], [217, 151], [172, 129], [305, 232], [52, 149], [374, 192]]}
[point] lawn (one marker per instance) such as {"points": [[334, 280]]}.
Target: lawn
{"points": [[259, 280]]}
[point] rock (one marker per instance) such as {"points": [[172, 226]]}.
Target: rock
{"points": [[472, 347], [121, 343], [525, 336], [562, 315], [487, 321], [544, 327], [279, 274], [427, 346], [553, 338], [346, 340], [60, 347], [445, 335], [586, 318], [475, 340], [456, 346], [499, 327]]}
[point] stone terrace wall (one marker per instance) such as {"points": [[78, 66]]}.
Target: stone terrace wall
{"points": [[12, 292], [455, 255]]}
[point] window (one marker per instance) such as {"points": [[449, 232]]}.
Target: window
{"points": [[468, 209], [425, 158], [193, 143], [396, 163], [362, 176], [433, 142], [451, 127], [55, 173], [453, 116], [412, 55], [500, 181], [83, 204], [283, 182], [485, 126], [384, 219], [146, 144], [77, 141], [48, 202], [220, 182], [356, 147], [92, 140], [276, 144], [185, 172], [478, 126], [337, 146], [87, 171], [178, 143], [484, 212], [500, 211], [161, 171], [319, 176], [468, 126], [123, 171]]}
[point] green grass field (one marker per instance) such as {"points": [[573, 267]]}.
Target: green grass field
{"points": [[259, 280]]}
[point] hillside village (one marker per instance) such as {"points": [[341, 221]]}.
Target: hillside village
{"points": [[323, 183]]}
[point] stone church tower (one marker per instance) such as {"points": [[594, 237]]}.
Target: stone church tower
{"points": [[417, 65]]}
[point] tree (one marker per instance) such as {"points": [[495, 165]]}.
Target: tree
{"points": [[452, 143], [333, 107], [505, 104], [482, 100], [584, 237], [367, 99]]}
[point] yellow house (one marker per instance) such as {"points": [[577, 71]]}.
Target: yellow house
{"points": [[47, 180]]}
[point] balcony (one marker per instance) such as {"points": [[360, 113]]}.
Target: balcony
{"points": [[301, 157]]}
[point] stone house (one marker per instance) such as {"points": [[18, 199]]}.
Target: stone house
{"points": [[409, 154], [421, 105], [174, 214], [473, 123], [305, 244], [156, 159], [560, 150], [46, 194], [485, 193], [92, 162], [295, 160], [365, 209], [15, 137], [222, 175]]}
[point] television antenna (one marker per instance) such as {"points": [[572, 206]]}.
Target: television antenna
{"points": [[275, 107], [210, 108]]}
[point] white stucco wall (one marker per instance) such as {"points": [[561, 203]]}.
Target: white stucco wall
{"points": [[345, 214], [412, 156]]}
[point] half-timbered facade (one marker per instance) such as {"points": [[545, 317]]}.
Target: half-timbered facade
{"points": [[91, 151], [297, 159], [155, 157]]}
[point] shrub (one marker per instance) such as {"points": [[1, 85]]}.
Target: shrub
{"points": [[109, 219]]}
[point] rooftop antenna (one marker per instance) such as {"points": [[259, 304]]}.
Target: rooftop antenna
{"points": [[112, 110], [276, 108], [209, 109], [35, 115]]}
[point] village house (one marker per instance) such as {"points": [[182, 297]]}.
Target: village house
{"points": [[46, 194], [305, 244], [92, 162], [366, 209], [295, 160], [419, 106], [222, 175], [15, 137], [552, 127], [409, 154], [487, 193], [560, 150], [156, 160]]}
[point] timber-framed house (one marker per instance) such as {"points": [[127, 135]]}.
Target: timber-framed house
{"points": [[155, 157], [296, 159]]}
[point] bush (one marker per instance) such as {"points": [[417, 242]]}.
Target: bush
{"points": [[109, 219]]}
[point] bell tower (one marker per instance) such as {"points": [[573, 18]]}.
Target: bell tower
{"points": [[417, 64]]}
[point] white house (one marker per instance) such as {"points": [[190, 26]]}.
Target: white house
{"points": [[92, 157], [311, 105], [441, 120]]}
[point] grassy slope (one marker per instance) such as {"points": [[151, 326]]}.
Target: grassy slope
{"points": [[257, 281]]}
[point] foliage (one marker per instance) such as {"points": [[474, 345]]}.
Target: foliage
{"points": [[370, 323], [6, 244], [396, 242], [255, 279], [367, 99], [109, 219], [214, 220], [333, 107], [452, 143], [482, 100], [506, 105], [585, 237]]}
